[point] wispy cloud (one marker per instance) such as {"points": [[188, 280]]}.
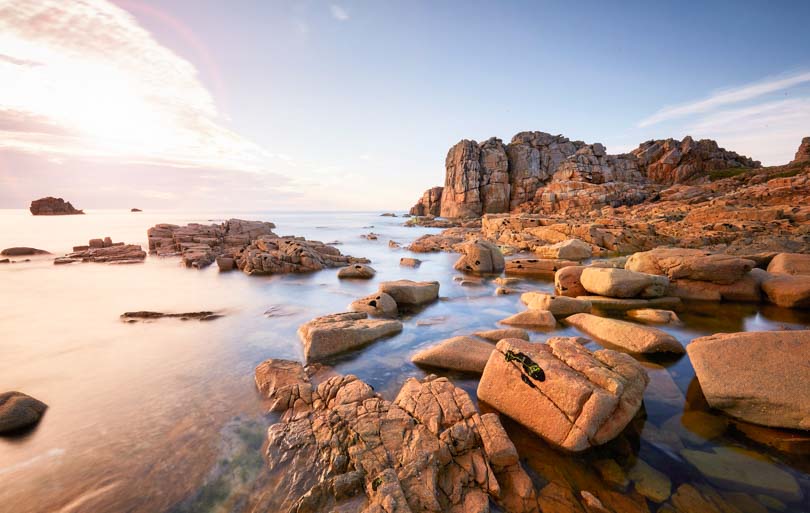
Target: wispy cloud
{"points": [[338, 12], [84, 79], [727, 97]]}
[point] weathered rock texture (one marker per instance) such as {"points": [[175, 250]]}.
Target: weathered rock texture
{"points": [[51, 206], [104, 251], [571, 397], [466, 354], [340, 445], [480, 256], [430, 204], [760, 377], [803, 153], [557, 174], [336, 333]]}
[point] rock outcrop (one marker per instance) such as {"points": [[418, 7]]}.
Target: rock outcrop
{"points": [[104, 251], [632, 337], [332, 334], [23, 251], [51, 206], [803, 153], [411, 293], [573, 398], [760, 377], [339, 444], [19, 411], [480, 256], [430, 204]]}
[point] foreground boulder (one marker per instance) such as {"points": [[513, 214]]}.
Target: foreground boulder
{"points": [[411, 293], [605, 281], [690, 264], [790, 263], [627, 335], [357, 272], [480, 256], [465, 354], [340, 447], [336, 333], [573, 398], [787, 291], [378, 305], [51, 206], [23, 251], [18, 411], [567, 281], [559, 306], [760, 377]]}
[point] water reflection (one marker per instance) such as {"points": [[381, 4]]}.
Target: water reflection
{"points": [[163, 416]]}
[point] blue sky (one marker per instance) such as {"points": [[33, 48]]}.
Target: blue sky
{"points": [[353, 104]]}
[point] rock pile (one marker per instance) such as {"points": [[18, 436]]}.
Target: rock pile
{"points": [[104, 251], [429, 450], [51, 206]]}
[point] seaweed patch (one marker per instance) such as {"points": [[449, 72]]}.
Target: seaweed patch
{"points": [[529, 366]]}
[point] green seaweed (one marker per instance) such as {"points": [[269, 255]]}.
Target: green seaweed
{"points": [[376, 483], [530, 367]]}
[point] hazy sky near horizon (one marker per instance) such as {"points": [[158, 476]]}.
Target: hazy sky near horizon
{"points": [[353, 104]]}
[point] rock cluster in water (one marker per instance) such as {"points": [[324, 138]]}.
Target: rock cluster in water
{"points": [[19, 411], [104, 251], [51, 206]]}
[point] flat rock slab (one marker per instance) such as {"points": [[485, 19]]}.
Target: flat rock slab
{"points": [[536, 265], [466, 354], [357, 272], [621, 305], [573, 398], [500, 334], [790, 263], [559, 306], [760, 377], [621, 283], [690, 264], [23, 251], [18, 411], [411, 293], [654, 316], [336, 333], [567, 281], [534, 319], [627, 335], [377, 305], [787, 291]]}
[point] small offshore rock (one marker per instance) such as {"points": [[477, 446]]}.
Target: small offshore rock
{"points": [[411, 293], [51, 206], [410, 262], [357, 271], [379, 304], [19, 411], [480, 256], [336, 333], [23, 251]]}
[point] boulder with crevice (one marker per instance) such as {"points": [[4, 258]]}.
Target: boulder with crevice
{"points": [[480, 256]]}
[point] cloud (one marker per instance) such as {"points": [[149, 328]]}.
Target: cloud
{"points": [[727, 97], [83, 79], [338, 12]]}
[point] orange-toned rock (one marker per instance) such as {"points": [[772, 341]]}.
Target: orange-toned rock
{"points": [[411, 293], [500, 334], [480, 256], [533, 319], [559, 306], [458, 353], [787, 291], [690, 264], [567, 281], [627, 335], [790, 263], [332, 334], [622, 283], [536, 265], [573, 398], [746, 289]]}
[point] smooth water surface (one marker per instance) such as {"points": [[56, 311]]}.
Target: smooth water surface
{"points": [[164, 416]]}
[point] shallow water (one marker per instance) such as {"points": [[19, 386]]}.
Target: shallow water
{"points": [[164, 416]]}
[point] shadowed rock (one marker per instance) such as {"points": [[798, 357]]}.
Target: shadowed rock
{"points": [[19, 411]]}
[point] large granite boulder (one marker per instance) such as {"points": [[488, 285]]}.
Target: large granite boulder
{"points": [[411, 293], [622, 283], [19, 411], [336, 333], [340, 447], [690, 264], [627, 335], [480, 256], [760, 377], [787, 291], [51, 206], [790, 263], [465, 354], [571, 397]]}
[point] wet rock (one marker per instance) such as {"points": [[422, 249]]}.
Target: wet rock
{"points": [[567, 281], [535, 265], [480, 256], [654, 316], [787, 291], [145, 315], [281, 255], [19, 411], [803, 153], [357, 271], [51, 206], [746, 289], [696, 498], [411, 293], [612, 304], [690, 264], [573, 398], [410, 262], [622, 283], [649, 482], [23, 251], [696, 426], [571, 249], [226, 263], [378, 305], [790, 263], [284, 382], [627, 335], [558, 498], [506, 280], [738, 469], [336, 333], [559, 306], [5, 261], [500, 334], [504, 291], [759, 377], [465, 354], [532, 319], [104, 251], [428, 450], [394, 244], [611, 472], [430, 204]]}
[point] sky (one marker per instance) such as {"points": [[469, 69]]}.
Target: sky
{"points": [[352, 105]]}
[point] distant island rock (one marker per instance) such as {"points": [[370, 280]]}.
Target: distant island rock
{"points": [[135, 210], [23, 251], [51, 206]]}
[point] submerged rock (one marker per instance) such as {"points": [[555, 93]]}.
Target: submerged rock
{"points": [[480, 256], [336, 333], [341, 447], [573, 398], [51, 206], [654, 315], [19, 411], [627, 335], [411, 293], [613, 304], [760, 377], [357, 271], [458, 353]]}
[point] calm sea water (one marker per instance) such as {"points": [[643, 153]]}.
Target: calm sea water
{"points": [[164, 416]]}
